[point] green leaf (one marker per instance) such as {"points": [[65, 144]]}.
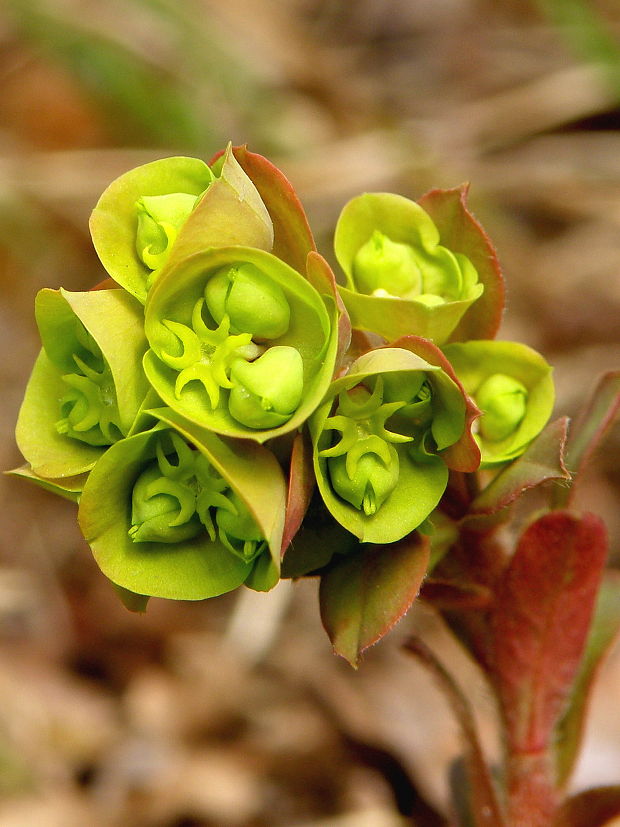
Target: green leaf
{"points": [[604, 630], [70, 487], [475, 362], [367, 592], [133, 602], [175, 307], [541, 461]]}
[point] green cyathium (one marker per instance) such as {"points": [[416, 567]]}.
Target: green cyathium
{"points": [[88, 410], [363, 465], [179, 496]]}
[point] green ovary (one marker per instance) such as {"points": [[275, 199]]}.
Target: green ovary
{"points": [[503, 401], [267, 392], [238, 530], [160, 217], [369, 481], [253, 302], [385, 267]]}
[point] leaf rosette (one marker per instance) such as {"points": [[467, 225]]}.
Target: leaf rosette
{"points": [[178, 512], [241, 343], [513, 387], [170, 208], [385, 436], [401, 276], [87, 384]]}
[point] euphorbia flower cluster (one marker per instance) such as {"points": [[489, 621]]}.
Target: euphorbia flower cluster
{"points": [[225, 401]]}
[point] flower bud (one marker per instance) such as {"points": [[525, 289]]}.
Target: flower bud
{"points": [[385, 267], [503, 401], [162, 509], [160, 217], [254, 303], [266, 392], [371, 481], [238, 530]]}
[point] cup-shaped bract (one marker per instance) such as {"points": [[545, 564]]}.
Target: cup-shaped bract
{"points": [[87, 384], [253, 363], [178, 512], [401, 276], [513, 387], [170, 208], [380, 440]]}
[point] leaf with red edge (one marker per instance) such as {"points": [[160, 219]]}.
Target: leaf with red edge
{"points": [[591, 426], [539, 626], [301, 484], [448, 595], [322, 278], [604, 631], [542, 461], [463, 455], [461, 233], [293, 238], [365, 594], [592, 808]]}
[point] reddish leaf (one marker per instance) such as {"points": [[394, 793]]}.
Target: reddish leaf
{"points": [[541, 461], [590, 427], [540, 622], [300, 486], [461, 233], [366, 593], [464, 455], [483, 803], [292, 234], [604, 631], [592, 808], [448, 595]]}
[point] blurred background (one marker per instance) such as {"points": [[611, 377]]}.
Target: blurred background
{"points": [[234, 712]]}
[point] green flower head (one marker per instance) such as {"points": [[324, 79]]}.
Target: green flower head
{"points": [[87, 385], [240, 342], [513, 387], [400, 278], [173, 207], [177, 512], [384, 439]]}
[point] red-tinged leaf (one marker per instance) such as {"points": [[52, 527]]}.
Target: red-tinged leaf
{"points": [[322, 278], [604, 631], [483, 805], [292, 234], [301, 483], [544, 604], [461, 233], [366, 593], [592, 808], [541, 461], [106, 284], [590, 427], [464, 455], [448, 595]]}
